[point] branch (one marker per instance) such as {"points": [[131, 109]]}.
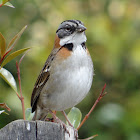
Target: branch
{"points": [[93, 107], [90, 137], [19, 80]]}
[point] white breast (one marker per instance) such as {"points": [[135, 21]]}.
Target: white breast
{"points": [[70, 80]]}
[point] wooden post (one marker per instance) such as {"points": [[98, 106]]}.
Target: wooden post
{"points": [[35, 130]]}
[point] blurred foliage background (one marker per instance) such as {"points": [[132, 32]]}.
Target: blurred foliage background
{"points": [[113, 33]]}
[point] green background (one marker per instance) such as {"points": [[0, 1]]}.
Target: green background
{"points": [[113, 33]]}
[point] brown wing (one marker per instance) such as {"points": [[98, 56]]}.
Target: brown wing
{"points": [[41, 80]]}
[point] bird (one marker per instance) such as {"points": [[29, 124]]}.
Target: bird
{"points": [[67, 74]]}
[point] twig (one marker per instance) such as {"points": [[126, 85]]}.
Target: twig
{"points": [[98, 99], [90, 137], [4, 56], [63, 112], [18, 95], [22, 58], [19, 80]]}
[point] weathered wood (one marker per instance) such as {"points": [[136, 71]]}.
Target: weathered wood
{"points": [[35, 130]]}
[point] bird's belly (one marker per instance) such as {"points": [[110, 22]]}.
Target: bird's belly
{"points": [[67, 89], [68, 83]]}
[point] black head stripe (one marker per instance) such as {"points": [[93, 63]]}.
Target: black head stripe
{"points": [[68, 27], [74, 21], [63, 23]]}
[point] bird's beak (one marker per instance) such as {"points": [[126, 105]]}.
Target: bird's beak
{"points": [[81, 28]]}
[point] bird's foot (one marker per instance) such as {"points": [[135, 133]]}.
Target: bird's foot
{"points": [[62, 124], [75, 130]]}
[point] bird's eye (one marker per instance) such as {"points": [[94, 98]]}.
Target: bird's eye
{"points": [[68, 28]]}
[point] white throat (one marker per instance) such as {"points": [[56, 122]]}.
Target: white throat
{"points": [[76, 39]]}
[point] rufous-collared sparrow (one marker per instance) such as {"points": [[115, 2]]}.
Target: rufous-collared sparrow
{"points": [[67, 75]]}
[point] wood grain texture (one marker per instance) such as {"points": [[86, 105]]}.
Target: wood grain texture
{"points": [[35, 130]]}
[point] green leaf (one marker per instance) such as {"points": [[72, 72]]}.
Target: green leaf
{"points": [[4, 1], [9, 4], [8, 77], [15, 39], [74, 117], [28, 114], [13, 55], [2, 45]]}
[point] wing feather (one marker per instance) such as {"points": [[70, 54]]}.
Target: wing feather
{"points": [[41, 81], [42, 78]]}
